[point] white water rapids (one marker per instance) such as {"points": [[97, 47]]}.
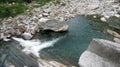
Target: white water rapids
{"points": [[34, 46]]}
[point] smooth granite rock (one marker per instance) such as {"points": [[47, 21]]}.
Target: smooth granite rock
{"points": [[53, 25], [101, 53]]}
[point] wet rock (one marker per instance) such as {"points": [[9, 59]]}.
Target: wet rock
{"points": [[27, 36], [53, 25], [101, 53], [19, 59]]}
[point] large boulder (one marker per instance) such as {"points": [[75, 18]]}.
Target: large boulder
{"points": [[53, 25], [101, 53]]}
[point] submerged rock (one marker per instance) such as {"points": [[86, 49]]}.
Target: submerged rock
{"points": [[101, 53], [53, 25]]}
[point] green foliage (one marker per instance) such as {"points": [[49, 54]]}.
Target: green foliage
{"points": [[16, 1], [7, 10], [56, 2], [41, 2], [14, 7]]}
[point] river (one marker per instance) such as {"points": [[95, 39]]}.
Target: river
{"points": [[63, 47]]}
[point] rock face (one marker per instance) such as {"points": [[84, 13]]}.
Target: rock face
{"points": [[53, 25], [101, 53], [12, 54]]}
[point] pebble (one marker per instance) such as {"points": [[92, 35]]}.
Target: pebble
{"points": [[43, 19], [27, 35], [45, 14], [103, 19], [94, 16]]}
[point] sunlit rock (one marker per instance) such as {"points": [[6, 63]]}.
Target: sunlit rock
{"points": [[53, 25], [103, 19], [117, 40], [43, 19], [115, 34], [101, 53], [27, 35]]}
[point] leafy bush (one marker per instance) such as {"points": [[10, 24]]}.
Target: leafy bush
{"points": [[17, 1], [14, 7], [11, 10]]}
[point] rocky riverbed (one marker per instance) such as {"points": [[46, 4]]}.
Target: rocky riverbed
{"points": [[64, 10]]}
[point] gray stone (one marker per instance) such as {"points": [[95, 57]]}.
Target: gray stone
{"points": [[27, 36], [92, 4], [117, 1], [18, 58], [101, 53], [53, 25]]}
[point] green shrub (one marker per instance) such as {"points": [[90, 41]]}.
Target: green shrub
{"points": [[17, 1], [42, 2], [7, 10]]}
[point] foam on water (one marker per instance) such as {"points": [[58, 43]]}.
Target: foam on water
{"points": [[34, 46]]}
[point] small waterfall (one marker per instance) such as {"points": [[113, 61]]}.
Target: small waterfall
{"points": [[34, 46]]}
